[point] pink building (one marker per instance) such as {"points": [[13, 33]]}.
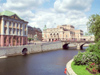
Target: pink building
{"points": [[13, 29]]}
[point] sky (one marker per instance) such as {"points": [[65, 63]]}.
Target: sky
{"points": [[53, 12]]}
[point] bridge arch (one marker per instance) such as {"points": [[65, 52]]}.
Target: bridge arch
{"points": [[65, 46], [24, 51]]}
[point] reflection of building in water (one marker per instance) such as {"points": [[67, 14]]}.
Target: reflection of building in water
{"points": [[62, 32], [32, 31], [13, 29]]}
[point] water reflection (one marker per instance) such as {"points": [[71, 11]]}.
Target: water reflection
{"points": [[47, 63]]}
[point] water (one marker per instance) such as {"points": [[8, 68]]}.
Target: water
{"points": [[47, 63]]}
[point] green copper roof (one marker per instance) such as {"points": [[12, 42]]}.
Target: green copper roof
{"points": [[45, 27], [8, 13]]}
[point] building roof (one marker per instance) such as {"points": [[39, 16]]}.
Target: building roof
{"points": [[8, 13]]}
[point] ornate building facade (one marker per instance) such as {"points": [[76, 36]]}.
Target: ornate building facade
{"points": [[13, 29], [62, 32], [32, 32]]}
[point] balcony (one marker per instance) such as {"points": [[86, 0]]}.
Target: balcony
{"points": [[10, 26], [18, 28], [14, 27], [5, 25]]}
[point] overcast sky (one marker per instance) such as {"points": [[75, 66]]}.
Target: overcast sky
{"points": [[53, 12]]}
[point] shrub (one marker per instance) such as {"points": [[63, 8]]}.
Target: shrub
{"points": [[89, 57], [86, 57], [92, 67], [77, 58]]}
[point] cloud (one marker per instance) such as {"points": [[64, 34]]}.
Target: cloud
{"points": [[67, 5], [52, 19], [22, 4], [72, 12]]}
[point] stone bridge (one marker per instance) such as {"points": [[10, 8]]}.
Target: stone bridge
{"points": [[32, 48], [78, 44], [42, 47]]}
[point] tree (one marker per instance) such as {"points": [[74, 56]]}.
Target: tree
{"points": [[29, 39], [87, 34], [94, 26]]}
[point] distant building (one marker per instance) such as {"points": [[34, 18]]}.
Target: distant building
{"points": [[13, 29], [62, 32], [34, 32]]}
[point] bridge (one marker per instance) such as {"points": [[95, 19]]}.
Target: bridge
{"points": [[79, 44], [34, 48]]}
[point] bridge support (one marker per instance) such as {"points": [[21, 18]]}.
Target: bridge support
{"points": [[78, 47]]}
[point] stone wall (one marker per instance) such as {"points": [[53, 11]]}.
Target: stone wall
{"points": [[69, 69], [34, 48]]}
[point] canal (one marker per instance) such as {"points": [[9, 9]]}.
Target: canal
{"points": [[46, 63]]}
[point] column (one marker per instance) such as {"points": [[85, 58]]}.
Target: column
{"points": [[15, 28], [15, 41], [12, 28], [7, 42], [22, 40], [7, 27], [78, 46], [26, 40], [19, 30], [26, 30], [12, 41], [23, 27], [2, 40], [2, 26], [19, 40]]}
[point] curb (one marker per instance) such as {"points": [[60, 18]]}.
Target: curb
{"points": [[69, 69]]}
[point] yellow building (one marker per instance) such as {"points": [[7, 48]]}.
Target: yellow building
{"points": [[62, 32]]}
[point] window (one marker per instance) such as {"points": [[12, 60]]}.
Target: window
{"points": [[17, 24], [13, 24], [5, 22], [9, 23]]}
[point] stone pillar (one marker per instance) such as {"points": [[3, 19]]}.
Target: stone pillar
{"points": [[26, 40], [12, 41], [15, 41], [19, 40], [15, 28], [23, 27], [2, 26], [78, 47], [7, 42], [2, 40], [26, 30], [19, 30], [22, 40], [7, 27], [12, 28]]}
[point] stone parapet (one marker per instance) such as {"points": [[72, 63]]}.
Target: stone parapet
{"points": [[69, 69], [32, 48]]}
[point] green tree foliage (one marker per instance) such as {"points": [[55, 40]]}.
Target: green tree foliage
{"points": [[94, 26], [29, 39]]}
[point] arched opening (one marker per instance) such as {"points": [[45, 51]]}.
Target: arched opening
{"points": [[65, 46], [81, 47], [24, 51]]}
